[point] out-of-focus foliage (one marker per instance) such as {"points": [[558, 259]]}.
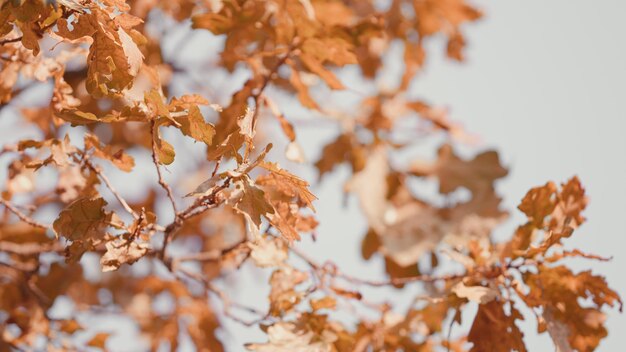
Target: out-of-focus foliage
{"points": [[111, 83]]}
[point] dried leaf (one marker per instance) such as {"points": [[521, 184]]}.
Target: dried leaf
{"points": [[252, 201], [83, 219], [477, 175], [288, 183], [562, 292], [286, 337], [283, 295], [122, 252], [494, 330], [268, 252], [193, 125], [99, 340], [478, 294], [323, 303], [164, 151], [119, 158]]}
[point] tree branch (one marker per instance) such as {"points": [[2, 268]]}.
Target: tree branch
{"points": [[256, 96], [332, 270], [162, 182], [227, 303], [12, 40], [177, 223], [106, 181], [17, 39], [29, 248], [208, 256], [25, 218]]}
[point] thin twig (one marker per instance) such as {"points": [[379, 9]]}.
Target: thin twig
{"points": [[25, 218], [449, 337], [199, 210], [107, 182], [256, 96], [207, 200], [227, 303], [209, 256], [400, 280], [332, 270], [171, 229], [12, 40], [258, 93], [203, 203], [162, 181], [29, 248], [17, 39]]}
